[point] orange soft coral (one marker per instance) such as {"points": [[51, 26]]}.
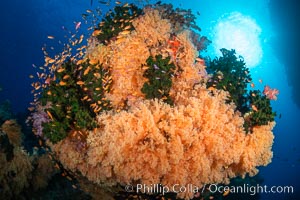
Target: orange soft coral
{"points": [[198, 140], [13, 131]]}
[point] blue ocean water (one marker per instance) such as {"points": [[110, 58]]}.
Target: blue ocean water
{"points": [[26, 24]]}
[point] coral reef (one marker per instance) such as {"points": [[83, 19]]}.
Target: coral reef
{"points": [[159, 75], [231, 74], [43, 171], [13, 131], [7, 149], [19, 171], [154, 143], [261, 111], [15, 165], [72, 100], [140, 107], [15, 175], [180, 19], [200, 42], [115, 22], [39, 118]]}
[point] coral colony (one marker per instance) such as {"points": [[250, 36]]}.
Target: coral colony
{"points": [[20, 172], [138, 105]]}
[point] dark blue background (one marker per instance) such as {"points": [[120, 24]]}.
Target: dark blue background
{"points": [[26, 24]]}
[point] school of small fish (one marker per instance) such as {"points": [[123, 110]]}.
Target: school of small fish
{"points": [[55, 63]]}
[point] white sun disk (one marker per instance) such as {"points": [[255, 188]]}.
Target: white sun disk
{"points": [[239, 32]]}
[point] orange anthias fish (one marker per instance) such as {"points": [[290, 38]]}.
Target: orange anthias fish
{"points": [[174, 44], [254, 108], [270, 93], [77, 25], [201, 61]]}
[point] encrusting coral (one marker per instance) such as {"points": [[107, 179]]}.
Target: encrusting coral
{"points": [[195, 137]]}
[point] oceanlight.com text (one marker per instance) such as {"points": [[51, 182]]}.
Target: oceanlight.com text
{"points": [[251, 189], [213, 188]]}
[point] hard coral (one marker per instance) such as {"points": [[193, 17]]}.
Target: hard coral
{"points": [[261, 111], [76, 96], [159, 74], [115, 22], [231, 74]]}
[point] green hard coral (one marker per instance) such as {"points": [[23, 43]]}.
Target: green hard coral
{"points": [[76, 95], [159, 74], [117, 21], [231, 74], [260, 111]]}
